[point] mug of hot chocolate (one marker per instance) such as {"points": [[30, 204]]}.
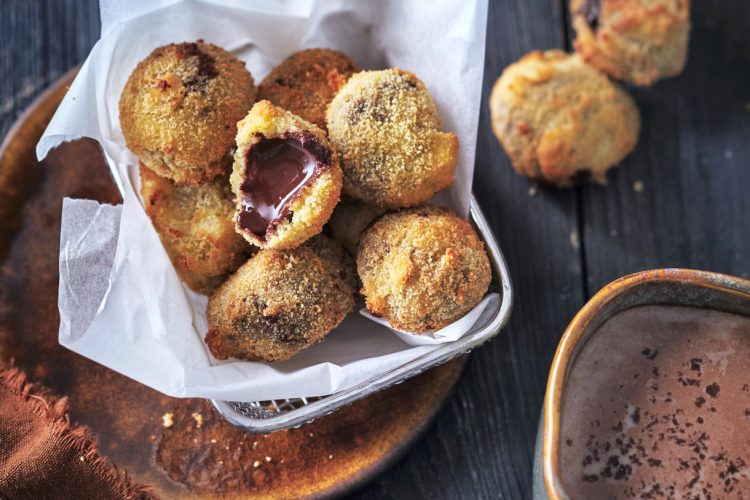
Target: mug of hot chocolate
{"points": [[649, 392]]}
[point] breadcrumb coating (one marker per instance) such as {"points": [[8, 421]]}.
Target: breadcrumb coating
{"points": [[179, 109], [422, 268], [640, 41], [196, 228], [306, 82], [281, 302], [311, 206], [561, 120], [386, 127]]}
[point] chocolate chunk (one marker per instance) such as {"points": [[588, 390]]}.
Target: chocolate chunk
{"points": [[713, 390], [695, 364], [206, 69], [650, 353], [636, 416], [276, 170], [591, 9]]}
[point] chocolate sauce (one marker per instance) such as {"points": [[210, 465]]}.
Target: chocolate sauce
{"points": [[275, 172], [591, 9]]}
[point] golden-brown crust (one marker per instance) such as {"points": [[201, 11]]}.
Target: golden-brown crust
{"points": [[195, 226], [306, 81], [313, 206], [386, 127], [559, 118], [281, 302], [640, 41], [179, 109], [422, 268], [339, 262]]}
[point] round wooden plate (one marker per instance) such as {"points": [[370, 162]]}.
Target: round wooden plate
{"points": [[199, 454]]}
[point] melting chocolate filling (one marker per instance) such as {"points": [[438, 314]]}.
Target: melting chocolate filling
{"points": [[276, 170], [591, 10]]}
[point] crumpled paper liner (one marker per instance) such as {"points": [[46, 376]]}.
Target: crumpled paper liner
{"points": [[121, 302]]}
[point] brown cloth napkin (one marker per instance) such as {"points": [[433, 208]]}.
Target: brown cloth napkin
{"points": [[43, 455]]}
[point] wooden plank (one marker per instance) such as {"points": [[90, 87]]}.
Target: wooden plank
{"points": [[481, 445], [693, 160], [39, 41]]}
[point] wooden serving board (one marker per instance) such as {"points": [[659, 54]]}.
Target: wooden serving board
{"points": [[199, 454]]}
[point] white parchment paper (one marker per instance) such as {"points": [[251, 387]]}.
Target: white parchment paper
{"points": [[450, 333], [121, 302]]}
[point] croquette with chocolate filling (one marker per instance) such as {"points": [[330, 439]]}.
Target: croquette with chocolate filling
{"points": [[286, 178], [305, 82], [196, 228], [349, 219], [386, 127], [422, 269], [281, 302], [561, 120], [179, 109], [640, 41]]}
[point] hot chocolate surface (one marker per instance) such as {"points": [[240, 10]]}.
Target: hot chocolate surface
{"points": [[657, 405]]}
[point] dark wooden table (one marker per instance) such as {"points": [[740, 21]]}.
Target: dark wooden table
{"points": [[693, 160]]}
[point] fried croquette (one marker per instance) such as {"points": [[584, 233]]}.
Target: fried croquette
{"points": [[195, 226], [286, 178], [281, 301], [561, 120], [349, 219], [640, 41], [179, 110], [305, 82], [386, 127], [422, 268], [336, 258]]}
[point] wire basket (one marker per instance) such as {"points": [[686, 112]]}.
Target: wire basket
{"points": [[273, 415]]}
